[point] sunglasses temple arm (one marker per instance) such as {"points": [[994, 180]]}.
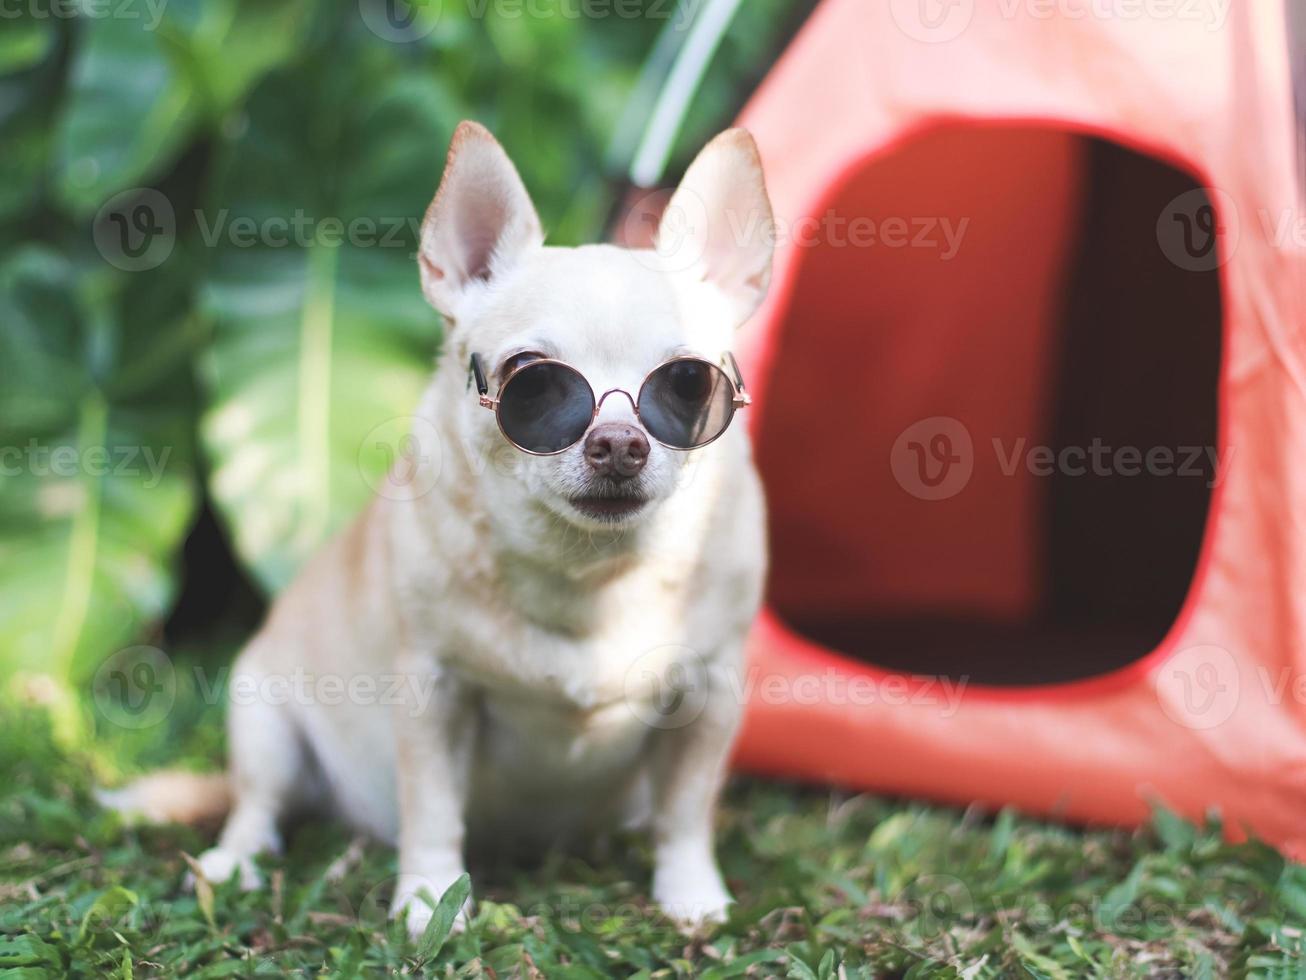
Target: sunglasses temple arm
{"points": [[734, 369], [474, 373], [741, 394]]}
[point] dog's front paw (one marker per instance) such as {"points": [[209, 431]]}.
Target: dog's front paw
{"points": [[417, 910], [218, 865], [691, 897]]}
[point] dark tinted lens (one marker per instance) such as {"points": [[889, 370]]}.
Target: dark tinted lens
{"points": [[545, 407], [686, 403]]}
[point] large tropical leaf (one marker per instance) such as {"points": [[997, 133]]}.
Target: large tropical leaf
{"points": [[29, 84], [320, 332], [552, 93], [26, 42], [96, 480], [140, 86]]}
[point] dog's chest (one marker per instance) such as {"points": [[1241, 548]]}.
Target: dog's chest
{"points": [[581, 674], [559, 642], [579, 701], [572, 714]]}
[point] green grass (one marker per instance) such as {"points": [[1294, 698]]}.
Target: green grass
{"points": [[829, 885]]}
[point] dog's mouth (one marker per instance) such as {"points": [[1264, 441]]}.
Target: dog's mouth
{"points": [[609, 504]]}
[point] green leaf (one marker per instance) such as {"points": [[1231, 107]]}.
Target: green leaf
{"points": [[141, 85], [1034, 963], [96, 482], [742, 964], [798, 970], [1290, 892], [1004, 827], [28, 950], [204, 897], [446, 910], [223, 969], [1203, 967], [321, 332], [128, 111], [25, 43], [29, 84], [228, 45], [32, 973], [1122, 896], [110, 906], [506, 959], [1176, 833]]}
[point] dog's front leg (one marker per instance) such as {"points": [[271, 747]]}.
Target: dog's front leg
{"points": [[688, 767], [435, 739]]}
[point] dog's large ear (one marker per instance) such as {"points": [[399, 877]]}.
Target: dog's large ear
{"points": [[718, 226], [480, 222]]}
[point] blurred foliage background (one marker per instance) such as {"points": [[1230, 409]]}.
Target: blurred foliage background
{"points": [[208, 300]]}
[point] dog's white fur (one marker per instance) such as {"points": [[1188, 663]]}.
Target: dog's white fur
{"points": [[530, 643]]}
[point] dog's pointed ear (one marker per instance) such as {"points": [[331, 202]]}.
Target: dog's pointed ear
{"points": [[480, 223], [718, 226]]}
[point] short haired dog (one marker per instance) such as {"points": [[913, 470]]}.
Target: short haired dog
{"points": [[583, 534]]}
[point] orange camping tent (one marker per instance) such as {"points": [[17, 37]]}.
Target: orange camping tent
{"points": [[1031, 407]]}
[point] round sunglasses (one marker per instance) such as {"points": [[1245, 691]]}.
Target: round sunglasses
{"points": [[546, 406]]}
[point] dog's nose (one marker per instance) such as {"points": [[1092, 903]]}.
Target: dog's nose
{"points": [[615, 449]]}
